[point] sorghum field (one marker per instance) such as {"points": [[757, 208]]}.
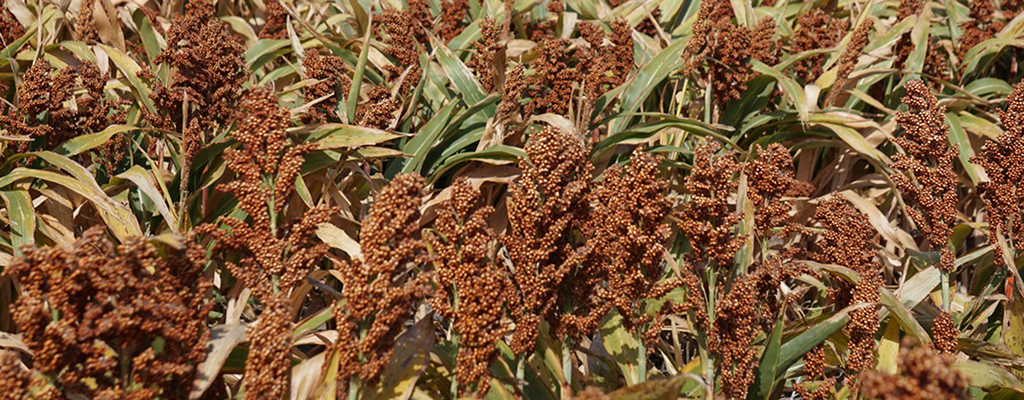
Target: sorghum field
{"points": [[522, 199]]}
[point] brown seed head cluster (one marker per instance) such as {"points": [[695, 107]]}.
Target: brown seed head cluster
{"points": [[330, 71], [208, 74], [10, 28], [771, 179], [453, 16], [405, 36], [275, 253], [85, 23], [489, 49], [384, 289], [745, 311], [814, 362], [979, 28], [928, 181], [848, 60], [562, 69], [1003, 161], [267, 166], [824, 391], [276, 26], [944, 333], [45, 111], [1011, 8], [935, 59], [727, 49], [546, 205], [627, 233], [818, 30], [267, 368], [707, 219], [847, 241], [471, 287], [378, 111], [924, 374], [99, 316]]}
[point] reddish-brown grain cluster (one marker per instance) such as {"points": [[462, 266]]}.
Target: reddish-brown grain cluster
{"points": [[944, 333], [378, 111], [489, 50], [85, 23], [330, 71], [384, 289], [1003, 161], [848, 60], [627, 231], [720, 51], [928, 182], [708, 220], [771, 180], [980, 27], [207, 80], [563, 69], [453, 15], [275, 253], [818, 31], [935, 59], [847, 241], [471, 287], [405, 35], [105, 320], [276, 25], [545, 206], [924, 374], [746, 311], [49, 111], [10, 28]]}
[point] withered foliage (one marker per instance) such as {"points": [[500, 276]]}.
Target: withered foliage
{"points": [[276, 25], [928, 181], [50, 112], [274, 253], [923, 374], [106, 320], [330, 71], [720, 51], [771, 180], [1003, 161], [627, 231], [707, 219], [471, 286], [208, 72], [818, 30], [384, 289], [848, 60], [546, 205], [847, 241]]}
